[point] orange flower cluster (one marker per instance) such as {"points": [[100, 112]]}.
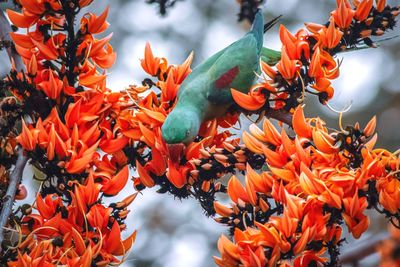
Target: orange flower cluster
{"points": [[319, 179], [76, 233], [36, 48], [389, 248], [146, 119], [77, 116], [73, 118], [84, 137], [307, 57]]}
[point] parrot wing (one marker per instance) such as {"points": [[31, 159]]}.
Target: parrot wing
{"points": [[199, 73], [235, 68]]}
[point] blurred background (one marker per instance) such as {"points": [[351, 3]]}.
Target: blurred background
{"points": [[175, 233]]}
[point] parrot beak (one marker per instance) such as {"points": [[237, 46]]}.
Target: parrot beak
{"points": [[176, 151]]}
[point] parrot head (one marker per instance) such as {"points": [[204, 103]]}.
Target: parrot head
{"points": [[180, 129]]}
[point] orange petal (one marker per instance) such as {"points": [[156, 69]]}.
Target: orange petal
{"points": [[252, 143], [370, 127], [322, 143], [114, 244], [144, 176], [99, 24], [246, 101], [47, 52], [79, 243], [236, 190], [222, 210], [150, 64], [148, 135], [177, 176], [117, 183], [21, 20], [114, 145], [363, 10], [300, 126]]}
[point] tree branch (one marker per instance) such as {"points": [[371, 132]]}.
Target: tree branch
{"points": [[8, 200], [280, 115], [16, 174], [362, 250], [5, 29]]}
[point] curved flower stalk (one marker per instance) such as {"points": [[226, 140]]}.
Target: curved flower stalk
{"points": [[308, 63], [318, 181]]}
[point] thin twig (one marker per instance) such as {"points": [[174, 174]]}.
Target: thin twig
{"points": [[8, 200], [5, 29]]}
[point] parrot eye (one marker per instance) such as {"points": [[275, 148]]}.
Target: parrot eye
{"points": [[187, 133]]}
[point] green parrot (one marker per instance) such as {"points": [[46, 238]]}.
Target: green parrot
{"points": [[205, 93]]}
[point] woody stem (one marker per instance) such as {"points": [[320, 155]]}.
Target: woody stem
{"points": [[280, 115], [362, 250], [5, 29], [8, 200], [72, 42], [16, 175]]}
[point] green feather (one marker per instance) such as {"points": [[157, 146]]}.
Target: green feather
{"points": [[205, 93], [270, 56]]}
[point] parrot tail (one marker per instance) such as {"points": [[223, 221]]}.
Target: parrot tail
{"points": [[258, 29], [271, 23]]}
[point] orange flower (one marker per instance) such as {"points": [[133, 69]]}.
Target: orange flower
{"points": [[330, 37], [112, 242], [344, 14], [21, 20], [356, 221], [86, 195], [52, 86], [252, 101], [90, 77], [323, 65], [144, 176], [177, 175], [380, 5], [300, 125], [27, 138], [169, 88], [48, 206], [296, 46], [93, 24], [98, 216], [152, 65], [180, 72], [309, 258], [323, 85], [288, 67], [363, 9]]}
